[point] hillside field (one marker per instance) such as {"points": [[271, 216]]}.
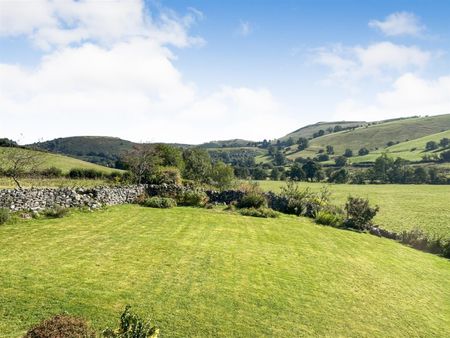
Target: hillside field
{"points": [[204, 273], [402, 207]]}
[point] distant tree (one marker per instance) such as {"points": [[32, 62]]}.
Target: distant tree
{"points": [[275, 174], [222, 175], [420, 175], [319, 133], [390, 143], [302, 143], [431, 145], [296, 173], [348, 152], [444, 142], [265, 143], [330, 150], [313, 170], [271, 150], [289, 142], [142, 162], [340, 161], [280, 158], [337, 128], [170, 156], [5, 142], [339, 176], [363, 151], [259, 173], [322, 157], [445, 156], [197, 164]]}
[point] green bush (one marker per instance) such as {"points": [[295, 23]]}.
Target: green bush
{"points": [[419, 240], [359, 213], [192, 198], [253, 196], [159, 202], [61, 326], [325, 217], [52, 172], [132, 326], [259, 212], [4, 215], [167, 175], [55, 212]]}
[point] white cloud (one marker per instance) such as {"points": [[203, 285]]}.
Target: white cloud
{"points": [[245, 28], [380, 60], [120, 82], [409, 95], [400, 23]]}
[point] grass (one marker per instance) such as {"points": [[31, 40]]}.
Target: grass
{"points": [[402, 207], [64, 163], [8, 183], [204, 273]]}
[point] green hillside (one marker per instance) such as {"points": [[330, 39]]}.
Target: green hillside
{"points": [[96, 149], [235, 143], [48, 160], [309, 130], [208, 273]]}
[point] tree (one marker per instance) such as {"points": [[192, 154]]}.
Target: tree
{"points": [[280, 158], [323, 157], [445, 156], [363, 151], [222, 175], [431, 145], [444, 142], [197, 164], [339, 176], [330, 150], [275, 174], [319, 133], [289, 142], [296, 173], [170, 156], [420, 175], [340, 161], [143, 162], [265, 143], [337, 128], [312, 170], [302, 143], [259, 173], [348, 152]]}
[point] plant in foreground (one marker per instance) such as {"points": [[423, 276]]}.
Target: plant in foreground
{"points": [[61, 326], [132, 326]]}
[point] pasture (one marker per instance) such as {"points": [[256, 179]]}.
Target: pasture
{"points": [[203, 273], [402, 207]]}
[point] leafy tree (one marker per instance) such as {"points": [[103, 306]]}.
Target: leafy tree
{"points": [[265, 144], [359, 213], [420, 175], [275, 174], [313, 170], [259, 173], [330, 150], [390, 143], [280, 158], [222, 175], [444, 142], [348, 152], [289, 142], [296, 173], [319, 133], [339, 176], [170, 156], [363, 151], [340, 161], [197, 164], [337, 128], [431, 145], [445, 156], [302, 143], [323, 157]]}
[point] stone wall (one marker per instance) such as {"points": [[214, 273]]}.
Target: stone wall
{"points": [[36, 199]]}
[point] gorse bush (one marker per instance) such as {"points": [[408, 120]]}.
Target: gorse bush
{"points": [[359, 213], [192, 198], [159, 202], [61, 326], [259, 212], [4, 215], [132, 326]]}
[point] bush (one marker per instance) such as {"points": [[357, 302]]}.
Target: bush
{"points": [[132, 326], [192, 198], [253, 197], [52, 172], [61, 326], [4, 215], [303, 202], [85, 173], [259, 212], [359, 213], [167, 175], [330, 218], [417, 239], [55, 212], [159, 202]]}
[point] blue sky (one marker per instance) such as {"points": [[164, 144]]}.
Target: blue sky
{"points": [[193, 71]]}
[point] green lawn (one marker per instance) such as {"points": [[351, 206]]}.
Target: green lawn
{"points": [[205, 273], [402, 207]]}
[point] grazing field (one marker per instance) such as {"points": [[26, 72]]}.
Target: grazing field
{"points": [[402, 207], [8, 183], [204, 273]]}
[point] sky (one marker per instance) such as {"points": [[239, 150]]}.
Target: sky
{"points": [[196, 71]]}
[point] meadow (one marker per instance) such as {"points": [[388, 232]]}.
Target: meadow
{"points": [[203, 273], [402, 207], [8, 183]]}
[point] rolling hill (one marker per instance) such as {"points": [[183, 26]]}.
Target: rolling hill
{"points": [[308, 131]]}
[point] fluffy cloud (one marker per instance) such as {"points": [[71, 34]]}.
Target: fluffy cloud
{"points": [[409, 95], [379, 60], [397, 24], [119, 81]]}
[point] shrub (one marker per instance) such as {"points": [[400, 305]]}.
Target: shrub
{"points": [[330, 218], [52, 172], [61, 326], [55, 212], [167, 175], [303, 202], [85, 173], [259, 212], [132, 326], [359, 213], [4, 215], [419, 240], [159, 202], [253, 197], [192, 198]]}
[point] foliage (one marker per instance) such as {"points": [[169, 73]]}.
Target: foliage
{"points": [[445, 156], [51, 172], [192, 198], [253, 196], [339, 176], [418, 239], [197, 164], [340, 161], [81, 173], [166, 175], [359, 213], [363, 151], [302, 143], [55, 212], [132, 325], [222, 175], [61, 326], [312, 170], [348, 152], [4, 215], [296, 173], [262, 212], [431, 145], [327, 217], [330, 150], [159, 202]]}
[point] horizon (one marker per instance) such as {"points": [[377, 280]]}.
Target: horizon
{"points": [[192, 72]]}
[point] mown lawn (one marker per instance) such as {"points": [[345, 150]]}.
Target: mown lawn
{"points": [[207, 273], [402, 207]]}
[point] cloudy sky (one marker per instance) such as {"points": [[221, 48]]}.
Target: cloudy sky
{"points": [[193, 71]]}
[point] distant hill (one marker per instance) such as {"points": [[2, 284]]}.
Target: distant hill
{"points": [[49, 160], [227, 144], [309, 130], [101, 150]]}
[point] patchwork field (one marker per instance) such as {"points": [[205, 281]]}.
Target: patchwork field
{"points": [[402, 207], [203, 273]]}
